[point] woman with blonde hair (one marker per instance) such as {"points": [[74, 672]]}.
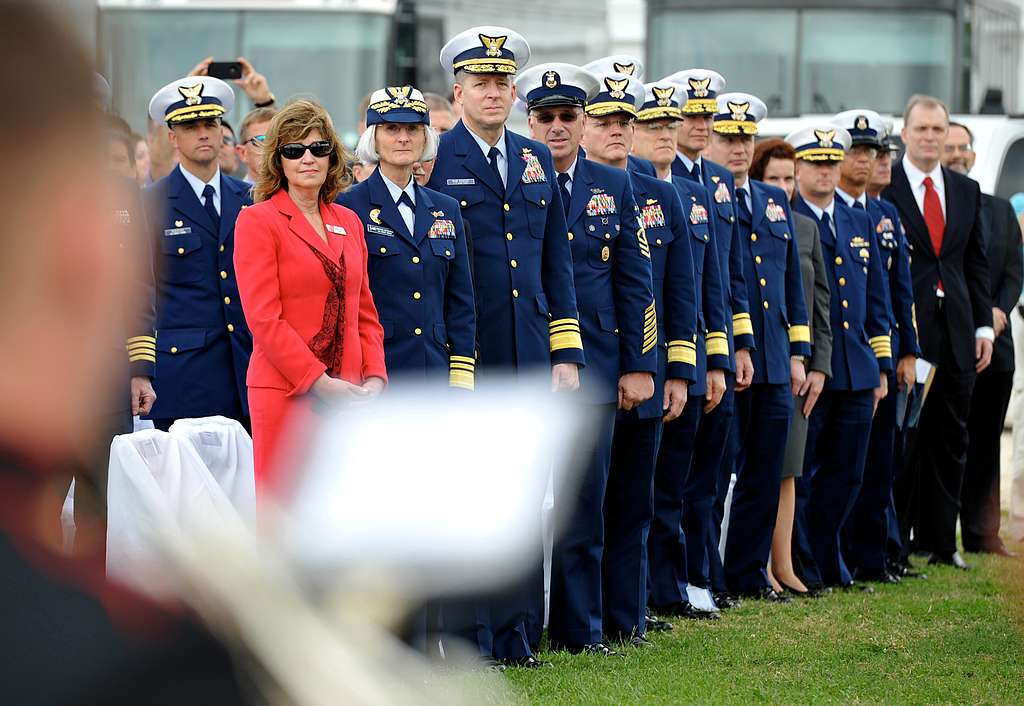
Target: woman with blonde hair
{"points": [[301, 266]]}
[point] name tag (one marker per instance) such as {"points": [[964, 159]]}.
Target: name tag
{"points": [[379, 230], [461, 182], [177, 231], [337, 230]]}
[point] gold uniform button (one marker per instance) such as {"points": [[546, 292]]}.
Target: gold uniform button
{"points": [[707, 237], [181, 251], [514, 264], [839, 260], [753, 237], [418, 331], [757, 259], [763, 281], [842, 281], [174, 349], [227, 300], [785, 236], [846, 324], [515, 293], [222, 248], [658, 241], [570, 236], [543, 202], [507, 207], [231, 328], [508, 236], [607, 236], [223, 274], [765, 304], [415, 259], [463, 203], [846, 304], [447, 253], [732, 218], [416, 295], [383, 249]]}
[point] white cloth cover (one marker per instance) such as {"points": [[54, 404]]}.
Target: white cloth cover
{"points": [[226, 449], [159, 492]]}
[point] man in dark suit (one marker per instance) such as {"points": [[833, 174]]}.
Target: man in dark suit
{"points": [[979, 497], [941, 211]]}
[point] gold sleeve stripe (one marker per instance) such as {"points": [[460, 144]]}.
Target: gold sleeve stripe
{"points": [[717, 346], [564, 324], [132, 347], [142, 339], [461, 366], [139, 356], [799, 333], [568, 339], [741, 325], [882, 346], [461, 359], [715, 334], [682, 352], [461, 379]]}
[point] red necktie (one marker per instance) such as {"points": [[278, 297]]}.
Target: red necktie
{"points": [[933, 217]]}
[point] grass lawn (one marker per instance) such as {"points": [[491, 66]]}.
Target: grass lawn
{"points": [[956, 638]]}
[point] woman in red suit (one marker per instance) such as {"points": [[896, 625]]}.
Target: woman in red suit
{"points": [[301, 266]]}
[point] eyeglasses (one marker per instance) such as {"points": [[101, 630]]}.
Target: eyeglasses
{"points": [[296, 150], [257, 140]]}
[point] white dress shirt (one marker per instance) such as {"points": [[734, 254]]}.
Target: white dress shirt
{"points": [[830, 210], [916, 178], [408, 215], [849, 200], [198, 185], [502, 157], [688, 163]]}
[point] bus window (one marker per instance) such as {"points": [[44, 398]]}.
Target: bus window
{"points": [[1011, 174]]}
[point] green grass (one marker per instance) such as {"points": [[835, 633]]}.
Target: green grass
{"points": [[955, 638]]}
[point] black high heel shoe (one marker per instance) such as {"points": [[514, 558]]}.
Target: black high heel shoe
{"points": [[809, 593]]}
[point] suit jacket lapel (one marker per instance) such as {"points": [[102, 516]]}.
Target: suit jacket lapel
{"points": [[298, 224], [424, 214], [380, 196], [188, 205], [474, 160], [952, 210], [913, 219], [516, 164], [580, 191]]}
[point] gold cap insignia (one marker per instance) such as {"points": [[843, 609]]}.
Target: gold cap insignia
{"points": [[493, 44], [616, 87], [700, 87], [400, 94], [627, 69], [193, 95], [664, 95], [825, 137], [861, 123], [739, 110], [551, 79]]}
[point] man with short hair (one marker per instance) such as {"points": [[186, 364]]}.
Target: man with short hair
{"points": [[941, 211], [522, 267], [251, 133], [228, 157], [979, 496], [442, 115], [203, 341]]}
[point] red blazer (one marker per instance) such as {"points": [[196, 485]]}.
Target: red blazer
{"points": [[284, 288]]}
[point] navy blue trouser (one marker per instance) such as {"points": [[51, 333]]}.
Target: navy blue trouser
{"points": [[712, 449], [666, 545], [866, 531], [725, 471], [628, 509], [576, 613], [837, 443], [763, 413]]}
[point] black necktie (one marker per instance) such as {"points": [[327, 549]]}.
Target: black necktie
{"points": [[492, 158], [563, 188], [825, 226], [695, 172], [211, 210], [858, 205], [741, 202], [404, 198]]}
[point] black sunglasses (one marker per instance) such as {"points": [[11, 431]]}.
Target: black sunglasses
{"points": [[295, 150], [565, 116]]}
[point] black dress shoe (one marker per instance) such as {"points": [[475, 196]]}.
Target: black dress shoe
{"points": [[905, 570], [726, 601], [654, 623], [856, 586], [767, 593], [876, 576], [946, 559], [529, 662], [640, 641], [685, 609], [594, 648], [491, 664]]}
